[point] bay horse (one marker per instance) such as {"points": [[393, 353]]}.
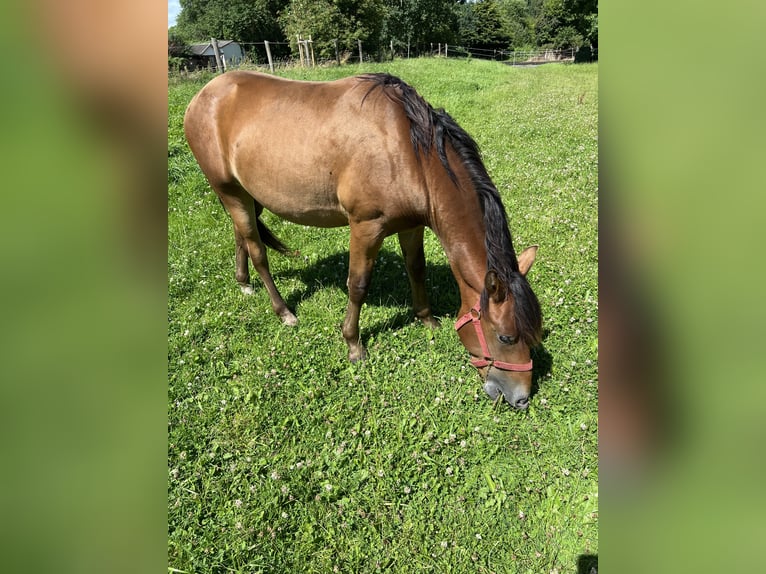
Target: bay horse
{"points": [[369, 152]]}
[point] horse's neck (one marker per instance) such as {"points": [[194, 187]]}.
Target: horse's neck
{"points": [[457, 220]]}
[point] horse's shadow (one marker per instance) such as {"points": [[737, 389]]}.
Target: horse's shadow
{"points": [[543, 362], [587, 564], [390, 287]]}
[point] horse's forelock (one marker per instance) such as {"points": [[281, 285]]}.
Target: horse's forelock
{"points": [[528, 316]]}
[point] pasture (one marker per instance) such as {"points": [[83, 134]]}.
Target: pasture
{"points": [[284, 457]]}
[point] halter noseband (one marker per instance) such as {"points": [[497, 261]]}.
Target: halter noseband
{"points": [[474, 316]]}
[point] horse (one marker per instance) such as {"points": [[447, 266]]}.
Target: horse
{"points": [[370, 153]]}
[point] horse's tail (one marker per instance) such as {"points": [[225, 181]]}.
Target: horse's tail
{"points": [[270, 240]]}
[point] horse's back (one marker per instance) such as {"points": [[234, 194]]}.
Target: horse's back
{"points": [[304, 150], [250, 104]]}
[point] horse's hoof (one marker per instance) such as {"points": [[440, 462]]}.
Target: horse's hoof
{"points": [[357, 356], [289, 319], [431, 322], [247, 289]]}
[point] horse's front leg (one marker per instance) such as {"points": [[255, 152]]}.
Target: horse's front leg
{"points": [[411, 242], [366, 239]]}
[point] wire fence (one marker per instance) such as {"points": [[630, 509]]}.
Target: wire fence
{"points": [[513, 57], [271, 56]]}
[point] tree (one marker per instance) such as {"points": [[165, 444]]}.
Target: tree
{"points": [[422, 22], [241, 20], [567, 23], [328, 20], [178, 50], [520, 24], [490, 26]]}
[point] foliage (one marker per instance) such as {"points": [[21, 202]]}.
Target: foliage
{"points": [[178, 51], [488, 26], [241, 20], [520, 24], [419, 23], [283, 457], [567, 23], [517, 24], [328, 20], [422, 22]]}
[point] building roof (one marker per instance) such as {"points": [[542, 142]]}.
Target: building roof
{"points": [[207, 49]]}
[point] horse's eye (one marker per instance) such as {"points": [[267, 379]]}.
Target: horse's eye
{"points": [[506, 339]]}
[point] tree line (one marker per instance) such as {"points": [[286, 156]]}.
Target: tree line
{"points": [[483, 24]]}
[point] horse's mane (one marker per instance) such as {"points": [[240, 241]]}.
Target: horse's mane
{"points": [[429, 127]]}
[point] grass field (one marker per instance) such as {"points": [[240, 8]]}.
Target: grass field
{"points": [[283, 457]]}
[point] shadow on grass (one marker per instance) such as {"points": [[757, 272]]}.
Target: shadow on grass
{"points": [[587, 564], [543, 362], [389, 287]]}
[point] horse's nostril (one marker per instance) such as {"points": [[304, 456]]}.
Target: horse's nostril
{"points": [[492, 389], [522, 403]]}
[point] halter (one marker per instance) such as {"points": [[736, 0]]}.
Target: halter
{"points": [[474, 316]]}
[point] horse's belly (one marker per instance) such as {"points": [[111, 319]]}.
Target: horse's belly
{"points": [[315, 217], [317, 208]]}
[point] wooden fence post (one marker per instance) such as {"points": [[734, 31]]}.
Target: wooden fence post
{"points": [[300, 48], [337, 55], [313, 63], [217, 53], [392, 50], [268, 55], [361, 59]]}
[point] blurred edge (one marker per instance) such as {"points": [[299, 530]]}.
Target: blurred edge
{"points": [[83, 110], [83, 349], [681, 208]]}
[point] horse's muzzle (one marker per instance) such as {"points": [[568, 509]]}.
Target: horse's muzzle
{"points": [[518, 398]]}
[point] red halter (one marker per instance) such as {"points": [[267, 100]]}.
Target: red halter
{"points": [[474, 316]]}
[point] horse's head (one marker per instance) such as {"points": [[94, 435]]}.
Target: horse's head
{"points": [[505, 324]]}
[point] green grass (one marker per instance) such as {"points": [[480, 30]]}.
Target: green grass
{"points": [[283, 457]]}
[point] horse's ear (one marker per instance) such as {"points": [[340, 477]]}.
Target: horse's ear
{"points": [[526, 258], [494, 287]]}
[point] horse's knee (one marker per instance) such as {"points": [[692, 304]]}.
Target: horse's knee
{"points": [[350, 331], [357, 288]]}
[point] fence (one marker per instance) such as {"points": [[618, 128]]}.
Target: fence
{"points": [[278, 55], [518, 58]]}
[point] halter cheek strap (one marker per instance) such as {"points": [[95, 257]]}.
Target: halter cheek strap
{"points": [[474, 316]]}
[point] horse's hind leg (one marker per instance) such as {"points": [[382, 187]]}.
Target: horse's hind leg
{"points": [[242, 272], [248, 243], [411, 242]]}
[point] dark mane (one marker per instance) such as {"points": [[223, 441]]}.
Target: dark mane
{"points": [[429, 127]]}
